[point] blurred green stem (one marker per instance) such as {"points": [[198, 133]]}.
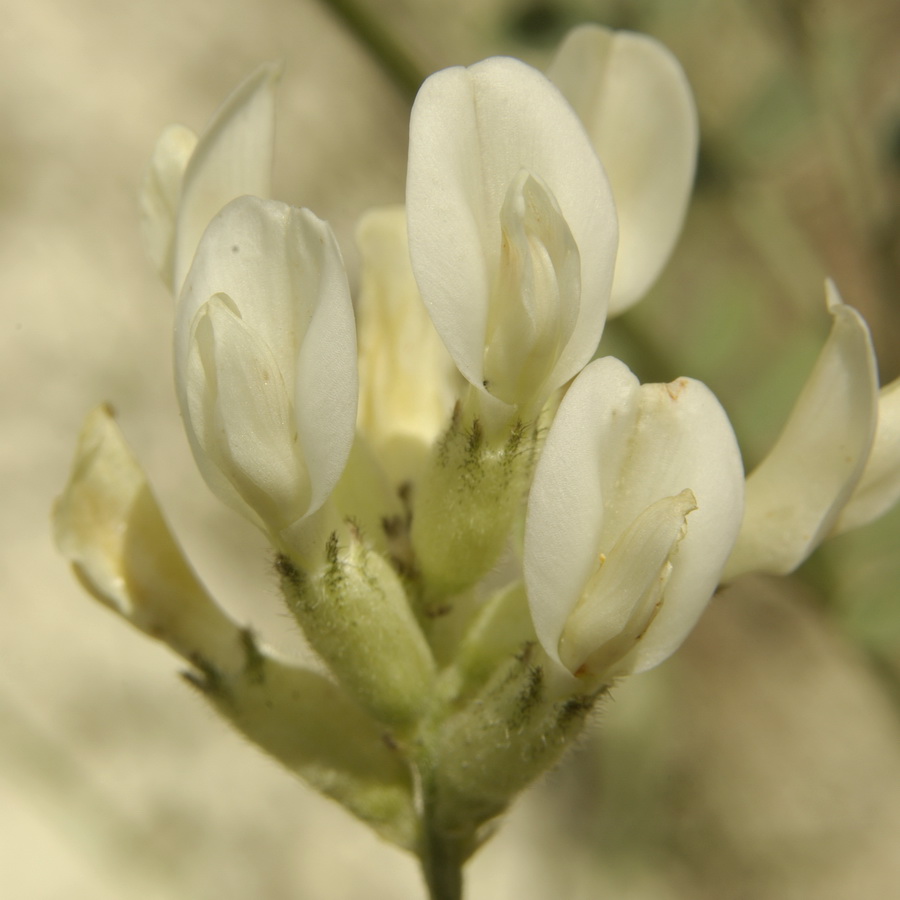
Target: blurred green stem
{"points": [[441, 852], [442, 868], [378, 40]]}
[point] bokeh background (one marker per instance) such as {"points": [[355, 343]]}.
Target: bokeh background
{"points": [[763, 761]]}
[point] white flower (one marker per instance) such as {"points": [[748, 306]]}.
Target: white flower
{"points": [[265, 361], [636, 104], [796, 494], [189, 179], [512, 228], [635, 506]]}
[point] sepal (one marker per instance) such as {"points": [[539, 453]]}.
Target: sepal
{"points": [[509, 733], [501, 629], [465, 504], [354, 612]]}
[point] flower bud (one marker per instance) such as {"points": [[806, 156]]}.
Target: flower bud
{"points": [[408, 383], [108, 524]]}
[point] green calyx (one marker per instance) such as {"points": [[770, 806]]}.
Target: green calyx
{"points": [[466, 504]]}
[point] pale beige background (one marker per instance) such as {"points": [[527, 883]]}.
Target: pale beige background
{"points": [[763, 762]]}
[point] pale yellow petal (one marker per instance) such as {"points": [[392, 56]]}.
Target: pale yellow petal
{"points": [[408, 382], [108, 524]]}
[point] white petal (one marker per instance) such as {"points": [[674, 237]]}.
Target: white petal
{"points": [[624, 595], [282, 270], [472, 132], [615, 449], [879, 488], [108, 524], [240, 416], [326, 385], [233, 157], [408, 383], [160, 193], [796, 493], [636, 103], [536, 297]]}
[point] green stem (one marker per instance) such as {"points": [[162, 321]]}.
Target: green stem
{"points": [[379, 41], [442, 865], [441, 853]]}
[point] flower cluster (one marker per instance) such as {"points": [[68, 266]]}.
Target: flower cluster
{"points": [[477, 525]]}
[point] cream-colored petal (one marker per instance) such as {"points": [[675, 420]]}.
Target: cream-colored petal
{"points": [[233, 157], [472, 132], [795, 495], [408, 382], [878, 490], [108, 524], [638, 109], [160, 192]]}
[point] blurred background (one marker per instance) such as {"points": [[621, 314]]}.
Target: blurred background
{"points": [[763, 761]]}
